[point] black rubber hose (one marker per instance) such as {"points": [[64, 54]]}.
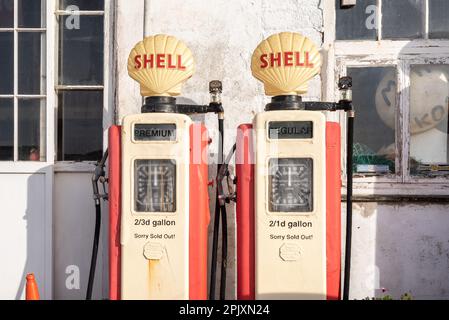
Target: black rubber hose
{"points": [[350, 142], [93, 261], [213, 265], [224, 252]]}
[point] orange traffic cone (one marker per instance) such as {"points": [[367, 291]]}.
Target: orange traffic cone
{"points": [[32, 293]]}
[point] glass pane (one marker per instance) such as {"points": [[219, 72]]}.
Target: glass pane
{"points": [[155, 185], [6, 129], [6, 63], [82, 4], [6, 13], [29, 13], [357, 23], [81, 52], [80, 125], [402, 19], [32, 130], [31, 75], [290, 185], [439, 19], [429, 96], [374, 96]]}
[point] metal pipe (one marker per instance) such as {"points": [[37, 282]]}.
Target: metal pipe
{"points": [[350, 143], [224, 252], [213, 265]]}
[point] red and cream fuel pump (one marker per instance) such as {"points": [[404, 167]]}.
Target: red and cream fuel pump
{"points": [[158, 182], [289, 180]]}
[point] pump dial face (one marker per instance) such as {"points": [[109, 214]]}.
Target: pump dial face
{"points": [[290, 185], [155, 185]]}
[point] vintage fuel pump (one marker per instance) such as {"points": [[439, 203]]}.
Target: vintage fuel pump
{"points": [[289, 180], [158, 182]]}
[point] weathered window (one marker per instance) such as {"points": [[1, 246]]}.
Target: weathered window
{"points": [[22, 80], [80, 80], [399, 19], [375, 105], [400, 70], [429, 95], [357, 23], [438, 19]]}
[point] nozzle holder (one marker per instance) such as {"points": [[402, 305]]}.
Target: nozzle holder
{"points": [[345, 83], [215, 86], [285, 102]]}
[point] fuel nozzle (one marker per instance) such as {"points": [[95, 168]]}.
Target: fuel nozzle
{"points": [[215, 90], [345, 87]]}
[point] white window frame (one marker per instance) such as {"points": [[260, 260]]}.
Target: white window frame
{"points": [[374, 53], [108, 83], [17, 165]]}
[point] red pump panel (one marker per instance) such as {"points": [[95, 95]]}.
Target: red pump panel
{"points": [[199, 212], [114, 211], [333, 209], [244, 169]]}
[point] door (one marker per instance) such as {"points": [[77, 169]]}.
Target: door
{"points": [[26, 148]]}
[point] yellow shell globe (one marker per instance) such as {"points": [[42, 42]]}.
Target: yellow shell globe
{"points": [[160, 64], [285, 62]]}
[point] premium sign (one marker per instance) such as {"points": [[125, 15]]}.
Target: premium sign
{"points": [[155, 132]]}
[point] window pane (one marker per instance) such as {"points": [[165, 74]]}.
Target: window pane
{"points": [[29, 13], [31, 50], [32, 130], [439, 19], [402, 19], [6, 129], [6, 13], [81, 52], [6, 63], [374, 96], [357, 23], [80, 125], [82, 4], [429, 96]]}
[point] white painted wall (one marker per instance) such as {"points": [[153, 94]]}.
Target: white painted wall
{"points": [[401, 248], [23, 234], [74, 220]]}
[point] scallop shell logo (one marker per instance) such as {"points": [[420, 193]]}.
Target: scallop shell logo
{"points": [[285, 62], [161, 64]]}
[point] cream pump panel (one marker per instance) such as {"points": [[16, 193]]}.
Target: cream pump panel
{"points": [[290, 197], [155, 210]]}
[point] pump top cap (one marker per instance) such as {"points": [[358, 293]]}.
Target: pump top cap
{"points": [[285, 62], [160, 64]]}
